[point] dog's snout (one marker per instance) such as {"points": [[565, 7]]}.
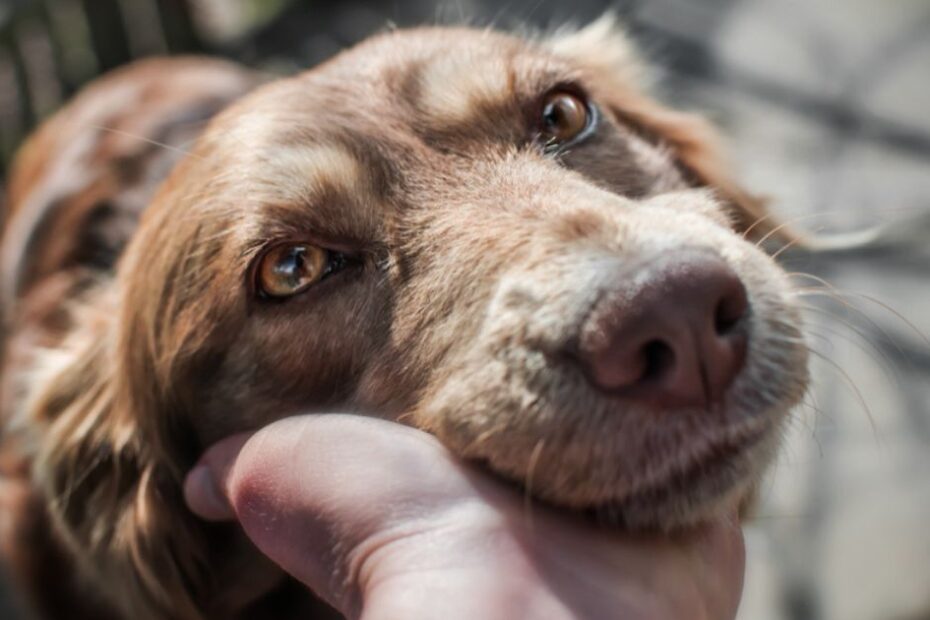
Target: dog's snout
{"points": [[676, 340]]}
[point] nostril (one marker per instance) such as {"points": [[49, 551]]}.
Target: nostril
{"points": [[730, 310], [725, 317], [659, 358]]}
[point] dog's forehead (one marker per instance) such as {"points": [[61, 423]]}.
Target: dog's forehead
{"points": [[431, 67], [455, 77], [392, 99], [403, 82]]}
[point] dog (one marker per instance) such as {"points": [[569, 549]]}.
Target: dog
{"points": [[502, 240]]}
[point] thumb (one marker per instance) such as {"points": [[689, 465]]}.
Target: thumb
{"points": [[204, 487], [318, 493]]}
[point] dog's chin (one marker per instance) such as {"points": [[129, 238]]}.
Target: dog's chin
{"points": [[696, 478], [688, 492], [716, 486]]}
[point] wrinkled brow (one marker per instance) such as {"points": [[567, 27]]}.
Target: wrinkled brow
{"points": [[481, 93], [451, 88], [326, 190], [304, 174]]}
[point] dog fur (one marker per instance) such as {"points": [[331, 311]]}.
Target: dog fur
{"points": [[476, 256]]}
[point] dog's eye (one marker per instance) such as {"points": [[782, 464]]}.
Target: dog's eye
{"points": [[286, 270], [564, 117]]}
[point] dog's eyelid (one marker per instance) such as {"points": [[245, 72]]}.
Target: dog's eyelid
{"points": [[573, 94], [320, 261]]}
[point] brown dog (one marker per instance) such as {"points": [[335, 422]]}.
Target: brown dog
{"points": [[504, 242]]}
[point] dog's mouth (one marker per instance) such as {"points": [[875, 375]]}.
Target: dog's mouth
{"points": [[693, 487]]}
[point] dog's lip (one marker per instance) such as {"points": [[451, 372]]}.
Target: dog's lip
{"points": [[712, 463]]}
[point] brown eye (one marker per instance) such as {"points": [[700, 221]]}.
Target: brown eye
{"points": [[564, 117], [290, 269]]}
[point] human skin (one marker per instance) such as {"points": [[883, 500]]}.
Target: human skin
{"points": [[382, 522]]}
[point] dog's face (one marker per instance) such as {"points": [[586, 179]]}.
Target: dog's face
{"points": [[495, 240], [503, 242]]}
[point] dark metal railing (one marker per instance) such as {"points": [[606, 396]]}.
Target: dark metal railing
{"points": [[49, 48]]}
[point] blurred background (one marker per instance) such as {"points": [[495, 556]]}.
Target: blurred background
{"points": [[826, 105]]}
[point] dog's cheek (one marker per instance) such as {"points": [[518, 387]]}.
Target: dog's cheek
{"points": [[492, 397], [294, 359], [260, 384]]}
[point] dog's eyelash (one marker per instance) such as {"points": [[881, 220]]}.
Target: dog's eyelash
{"points": [[551, 147], [556, 151], [336, 262]]}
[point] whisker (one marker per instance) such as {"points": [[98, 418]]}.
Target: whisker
{"points": [[733, 523], [810, 276], [888, 308], [813, 429], [167, 147], [535, 455], [839, 298], [758, 221], [788, 457], [484, 436], [781, 227], [809, 400], [785, 247], [529, 13], [842, 297], [886, 364], [809, 216], [406, 418], [774, 516], [859, 397]]}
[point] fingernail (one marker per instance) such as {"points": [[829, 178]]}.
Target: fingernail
{"points": [[204, 497]]}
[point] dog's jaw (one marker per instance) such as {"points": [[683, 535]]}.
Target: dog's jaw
{"points": [[511, 398]]}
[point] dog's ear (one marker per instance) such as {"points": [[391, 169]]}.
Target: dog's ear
{"points": [[110, 496], [607, 55]]}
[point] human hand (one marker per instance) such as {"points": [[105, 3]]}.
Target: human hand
{"points": [[382, 522]]}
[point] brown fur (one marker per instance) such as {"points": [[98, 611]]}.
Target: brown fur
{"points": [[479, 258]]}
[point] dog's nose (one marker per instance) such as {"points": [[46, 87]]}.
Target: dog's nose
{"points": [[677, 340]]}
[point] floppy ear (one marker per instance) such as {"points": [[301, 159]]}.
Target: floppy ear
{"points": [[607, 54], [110, 498]]}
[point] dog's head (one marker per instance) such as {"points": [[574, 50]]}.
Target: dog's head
{"points": [[502, 241]]}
